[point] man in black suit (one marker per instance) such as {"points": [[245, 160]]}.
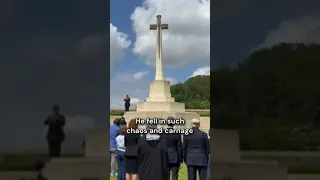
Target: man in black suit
{"points": [[174, 145], [196, 150], [55, 133]]}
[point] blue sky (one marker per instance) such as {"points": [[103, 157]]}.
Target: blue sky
{"points": [[54, 53], [133, 62]]}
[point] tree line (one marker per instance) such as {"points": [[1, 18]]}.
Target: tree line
{"points": [[272, 97]]}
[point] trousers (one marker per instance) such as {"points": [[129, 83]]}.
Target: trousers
{"points": [[113, 156], [54, 149], [192, 172], [174, 171]]}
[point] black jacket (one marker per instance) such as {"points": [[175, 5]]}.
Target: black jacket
{"points": [[174, 145], [131, 144], [55, 131], [152, 158]]}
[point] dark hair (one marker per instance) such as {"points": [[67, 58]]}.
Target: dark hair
{"points": [[133, 124], [123, 130], [170, 118], [116, 121]]}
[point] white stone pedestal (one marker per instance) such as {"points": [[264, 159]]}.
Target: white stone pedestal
{"points": [[95, 164], [160, 91], [226, 162]]}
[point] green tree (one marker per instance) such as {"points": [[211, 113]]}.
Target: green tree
{"points": [[273, 97], [195, 92]]}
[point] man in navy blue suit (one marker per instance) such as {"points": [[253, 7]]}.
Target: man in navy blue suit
{"points": [[196, 150]]}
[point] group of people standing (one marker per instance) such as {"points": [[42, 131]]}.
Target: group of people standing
{"points": [[158, 156]]}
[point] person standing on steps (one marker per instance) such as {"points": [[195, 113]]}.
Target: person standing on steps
{"points": [[127, 103], [196, 150], [55, 133]]}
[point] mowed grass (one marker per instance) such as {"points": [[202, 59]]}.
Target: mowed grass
{"points": [[183, 174], [118, 112]]}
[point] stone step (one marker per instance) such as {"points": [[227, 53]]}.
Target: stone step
{"points": [[243, 170], [77, 169]]}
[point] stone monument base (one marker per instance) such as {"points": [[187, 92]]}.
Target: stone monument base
{"points": [[78, 169], [160, 91], [161, 106], [187, 116], [95, 164], [226, 162]]}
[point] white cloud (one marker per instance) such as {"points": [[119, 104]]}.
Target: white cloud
{"points": [[306, 30], [201, 71], [140, 75], [79, 123], [128, 83], [186, 41], [172, 80], [118, 43]]}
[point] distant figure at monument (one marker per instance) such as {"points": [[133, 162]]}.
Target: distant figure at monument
{"points": [[153, 156], [127, 102], [131, 154], [174, 145], [55, 133], [196, 150], [121, 153], [114, 132]]}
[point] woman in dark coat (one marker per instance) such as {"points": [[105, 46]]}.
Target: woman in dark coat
{"points": [[131, 154]]}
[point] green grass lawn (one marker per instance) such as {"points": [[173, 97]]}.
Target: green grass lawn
{"points": [[118, 113], [183, 175]]}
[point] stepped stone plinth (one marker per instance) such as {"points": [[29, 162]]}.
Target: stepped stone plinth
{"points": [[94, 165], [226, 161]]}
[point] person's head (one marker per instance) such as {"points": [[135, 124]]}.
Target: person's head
{"points": [[195, 123], [116, 121], [151, 126], [123, 130], [127, 96], [122, 113], [55, 109], [170, 118], [133, 124]]}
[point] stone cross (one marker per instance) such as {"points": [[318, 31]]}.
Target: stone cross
{"points": [[158, 27]]}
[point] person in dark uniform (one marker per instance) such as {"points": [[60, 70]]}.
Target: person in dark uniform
{"points": [[174, 145], [55, 133], [127, 102], [131, 154], [122, 121], [152, 156], [196, 150]]}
